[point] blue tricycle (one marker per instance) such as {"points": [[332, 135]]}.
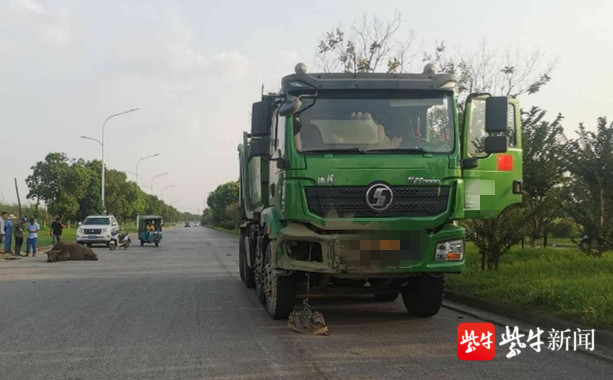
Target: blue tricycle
{"points": [[150, 229]]}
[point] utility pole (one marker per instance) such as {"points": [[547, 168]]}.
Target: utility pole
{"points": [[18, 199]]}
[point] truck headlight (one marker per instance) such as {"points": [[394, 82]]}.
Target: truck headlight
{"points": [[452, 250]]}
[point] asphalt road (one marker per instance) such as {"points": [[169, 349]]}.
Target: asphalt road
{"points": [[181, 311]]}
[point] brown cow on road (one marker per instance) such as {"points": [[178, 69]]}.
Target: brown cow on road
{"points": [[70, 251]]}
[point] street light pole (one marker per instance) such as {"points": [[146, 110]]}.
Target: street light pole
{"points": [[165, 187], [102, 143], [138, 162], [157, 176]]}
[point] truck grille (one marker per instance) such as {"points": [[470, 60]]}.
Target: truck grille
{"points": [[350, 201], [92, 231]]}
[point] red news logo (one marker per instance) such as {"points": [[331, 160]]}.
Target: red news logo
{"points": [[476, 341]]}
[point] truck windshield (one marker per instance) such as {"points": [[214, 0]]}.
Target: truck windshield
{"points": [[96, 221], [390, 122]]}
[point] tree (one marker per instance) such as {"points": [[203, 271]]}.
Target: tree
{"points": [[57, 183], [543, 150], [589, 193], [369, 45], [206, 218], [220, 199], [511, 72], [233, 213], [44, 182], [91, 202], [372, 45], [494, 237]]}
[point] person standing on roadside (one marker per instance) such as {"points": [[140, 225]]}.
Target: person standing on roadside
{"points": [[32, 241], [18, 232], [56, 230], [3, 217], [8, 233]]}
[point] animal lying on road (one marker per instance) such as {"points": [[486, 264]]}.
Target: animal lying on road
{"points": [[70, 251]]}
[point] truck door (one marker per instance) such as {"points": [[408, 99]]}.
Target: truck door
{"points": [[492, 181]]}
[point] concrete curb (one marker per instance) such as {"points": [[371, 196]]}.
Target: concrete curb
{"points": [[603, 336]]}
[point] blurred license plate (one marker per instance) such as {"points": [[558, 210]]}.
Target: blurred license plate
{"points": [[92, 237]]}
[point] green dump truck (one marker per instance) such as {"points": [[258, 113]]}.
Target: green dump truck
{"points": [[353, 183]]}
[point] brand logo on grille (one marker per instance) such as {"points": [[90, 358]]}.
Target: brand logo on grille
{"points": [[379, 197]]}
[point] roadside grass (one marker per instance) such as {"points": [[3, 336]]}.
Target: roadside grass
{"points": [[563, 282], [44, 239]]}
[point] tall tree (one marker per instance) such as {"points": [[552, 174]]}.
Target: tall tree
{"points": [[219, 200], [589, 194], [44, 183], [543, 149]]}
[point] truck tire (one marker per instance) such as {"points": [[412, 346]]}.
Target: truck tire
{"points": [[258, 269], [279, 291], [423, 295], [386, 297], [244, 269], [241, 257]]}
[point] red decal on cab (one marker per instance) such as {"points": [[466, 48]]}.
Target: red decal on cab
{"points": [[505, 162]]}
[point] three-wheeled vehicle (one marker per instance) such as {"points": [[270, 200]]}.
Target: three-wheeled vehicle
{"points": [[150, 229]]}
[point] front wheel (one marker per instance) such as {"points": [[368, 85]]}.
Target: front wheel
{"points": [[157, 243], [112, 245], [279, 291], [423, 295]]}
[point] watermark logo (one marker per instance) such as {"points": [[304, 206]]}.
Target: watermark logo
{"points": [[476, 341]]}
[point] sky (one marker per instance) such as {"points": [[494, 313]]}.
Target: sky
{"points": [[193, 68]]}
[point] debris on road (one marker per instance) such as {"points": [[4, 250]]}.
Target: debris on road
{"points": [[307, 321]]}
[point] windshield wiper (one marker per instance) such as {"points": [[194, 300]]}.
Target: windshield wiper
{"points": [[341, 150], [389, 150]]}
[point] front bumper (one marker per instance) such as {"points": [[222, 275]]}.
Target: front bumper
{"points": [[342, 251], [93, 239]]}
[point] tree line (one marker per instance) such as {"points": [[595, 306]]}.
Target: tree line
{"points": [[70, 189]]}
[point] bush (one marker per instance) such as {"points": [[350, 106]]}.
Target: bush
{"points": [[233, 213], [565, 228]]}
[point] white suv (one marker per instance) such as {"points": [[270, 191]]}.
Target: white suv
{"points": [[98, 229]]}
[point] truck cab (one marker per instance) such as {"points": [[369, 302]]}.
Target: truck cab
{"points": [[355, 182]]}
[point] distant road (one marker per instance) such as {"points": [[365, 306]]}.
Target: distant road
{"points": [[181, 311]]}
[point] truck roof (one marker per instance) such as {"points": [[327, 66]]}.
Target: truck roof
{"points": [[150, 217], [296, 83]]}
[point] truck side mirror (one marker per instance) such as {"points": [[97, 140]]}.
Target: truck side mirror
{"points": [[291, 105], [496, 108], [259, 148], [261, 113], [495, 144]]}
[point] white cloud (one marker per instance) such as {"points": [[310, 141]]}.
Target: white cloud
{"points": [[53, 27], [28, 6]]}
